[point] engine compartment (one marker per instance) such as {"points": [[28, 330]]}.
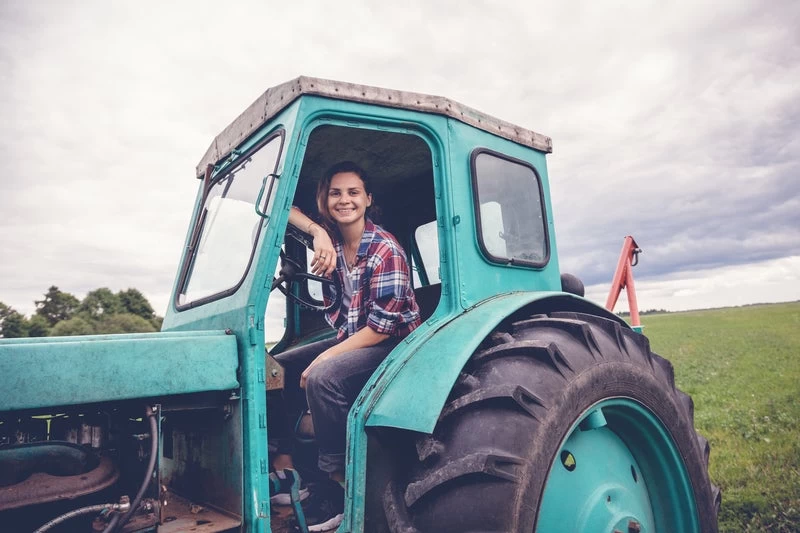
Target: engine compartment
{"points": [[58, 464]]}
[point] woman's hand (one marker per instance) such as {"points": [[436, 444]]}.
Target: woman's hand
{"points": [[361, 339], [327, 354], [324, 261]]}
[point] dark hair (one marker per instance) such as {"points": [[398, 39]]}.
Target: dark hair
{"points": [[325, 184]]}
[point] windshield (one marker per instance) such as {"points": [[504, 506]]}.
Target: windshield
{"points": [[228, 226]]}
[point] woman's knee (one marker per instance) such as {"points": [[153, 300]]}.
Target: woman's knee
{"points": [[320, 378]]}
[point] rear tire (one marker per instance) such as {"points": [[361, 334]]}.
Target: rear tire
{"points": [[567, 422]]}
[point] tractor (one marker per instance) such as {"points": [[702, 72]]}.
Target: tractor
{"points": [[517, 406]]}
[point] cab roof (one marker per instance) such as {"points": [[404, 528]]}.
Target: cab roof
{"points": [[279, 97]]}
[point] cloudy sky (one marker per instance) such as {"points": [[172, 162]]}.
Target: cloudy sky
{"points": [[673, 122]]}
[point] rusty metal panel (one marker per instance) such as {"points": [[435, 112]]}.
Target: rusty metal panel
{"points": [[274, 374], [80, 471]]}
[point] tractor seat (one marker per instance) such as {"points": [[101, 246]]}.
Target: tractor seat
{"points": [[427, 298]]}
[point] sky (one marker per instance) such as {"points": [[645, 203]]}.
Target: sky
{"points": [[675, 122]]}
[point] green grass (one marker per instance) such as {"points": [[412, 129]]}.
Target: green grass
{"points": [[742, 368]]}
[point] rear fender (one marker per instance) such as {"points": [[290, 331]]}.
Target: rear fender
{"points": [[414, 385]]}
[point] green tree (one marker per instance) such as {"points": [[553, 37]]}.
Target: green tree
{"points": [[124, 323], [135, 303], [56, 306], [38, 326], [72, 326], [5, 310], [14, 325], [100, 302]]}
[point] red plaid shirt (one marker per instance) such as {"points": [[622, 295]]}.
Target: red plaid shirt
{"points": [[382, 296]]}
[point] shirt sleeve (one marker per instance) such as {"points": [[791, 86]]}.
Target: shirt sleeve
{"points": [[390, 303]]}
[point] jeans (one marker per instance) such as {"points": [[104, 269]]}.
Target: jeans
{"points": [[331, 389]]}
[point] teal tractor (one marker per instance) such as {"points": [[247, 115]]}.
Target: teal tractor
{"points": [[517, 405]]}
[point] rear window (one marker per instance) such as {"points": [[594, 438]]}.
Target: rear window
{"points": [[509, 210], [425, 260]]}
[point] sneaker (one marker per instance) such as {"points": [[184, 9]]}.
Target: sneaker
{"points": [[283, 497], [324, 509]]}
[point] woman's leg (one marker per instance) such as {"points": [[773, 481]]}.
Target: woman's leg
{"points": [[332, 388], [285, 408]]}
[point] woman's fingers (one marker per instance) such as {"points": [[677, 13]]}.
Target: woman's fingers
{"points": [[307, 371], [324, 262], [324, 254]]}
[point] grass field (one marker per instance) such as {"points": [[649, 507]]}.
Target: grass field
{"points": [[742, 368]]}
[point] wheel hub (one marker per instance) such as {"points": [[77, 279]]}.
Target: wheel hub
{"points": [[597, 483]]}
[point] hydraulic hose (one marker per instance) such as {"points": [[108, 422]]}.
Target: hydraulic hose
{"points": [[117, 522], [82, 511]]}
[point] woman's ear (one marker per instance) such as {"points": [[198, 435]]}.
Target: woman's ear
{"points": [[369, 200]]}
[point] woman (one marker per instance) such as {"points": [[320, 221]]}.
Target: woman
{"points": [[377, 311]]}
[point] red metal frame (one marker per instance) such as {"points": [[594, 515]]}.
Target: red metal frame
{"points": [[623, 278]]}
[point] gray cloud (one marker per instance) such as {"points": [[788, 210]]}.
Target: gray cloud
{"points": [[672, 122]]}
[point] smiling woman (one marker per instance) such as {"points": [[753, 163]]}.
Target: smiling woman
{"points": [[372, 308]]}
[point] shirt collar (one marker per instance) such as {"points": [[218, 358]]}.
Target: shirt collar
{"points": [[366, 238]]}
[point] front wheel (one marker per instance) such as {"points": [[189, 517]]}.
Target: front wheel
{"points": [[564, 423]]}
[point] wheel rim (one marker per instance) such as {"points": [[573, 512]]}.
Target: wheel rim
{"points": [[618, 471]]}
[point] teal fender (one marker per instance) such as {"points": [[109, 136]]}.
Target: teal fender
{"points": [[413, 395]]}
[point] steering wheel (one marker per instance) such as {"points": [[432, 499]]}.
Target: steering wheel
{"points": [[293, 272]]}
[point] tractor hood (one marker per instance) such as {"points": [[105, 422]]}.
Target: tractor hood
{"points": [[87, 369]]}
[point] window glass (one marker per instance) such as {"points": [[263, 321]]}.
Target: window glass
{"points": [[228, 226], [510, 215], [426, 238], [314, 287], [275, 315]]}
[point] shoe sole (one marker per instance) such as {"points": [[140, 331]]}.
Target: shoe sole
{"points": [[285, 499], [327, 526]]}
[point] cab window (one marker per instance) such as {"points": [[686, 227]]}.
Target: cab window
{"points": [[509, 213]]}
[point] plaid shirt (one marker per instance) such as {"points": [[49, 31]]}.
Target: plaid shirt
{"points": [[382, 296]]}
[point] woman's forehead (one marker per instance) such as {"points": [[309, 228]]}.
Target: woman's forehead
{"points": [[346, 180]]}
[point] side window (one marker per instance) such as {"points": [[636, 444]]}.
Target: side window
{"points": [[509, 210]]}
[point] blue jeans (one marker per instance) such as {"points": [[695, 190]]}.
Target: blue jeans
{"points": [[331, 389]]}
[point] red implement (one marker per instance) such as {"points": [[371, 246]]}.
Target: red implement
{"points": [[623, 278]]}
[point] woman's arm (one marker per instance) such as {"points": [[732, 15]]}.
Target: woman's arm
{"points": [[324, 261], [361, 339]]}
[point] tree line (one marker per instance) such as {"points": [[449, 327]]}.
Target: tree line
{"points": [[101, 311], [645, 312]]}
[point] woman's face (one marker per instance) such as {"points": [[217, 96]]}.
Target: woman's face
{"points": [[347, 198]]}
